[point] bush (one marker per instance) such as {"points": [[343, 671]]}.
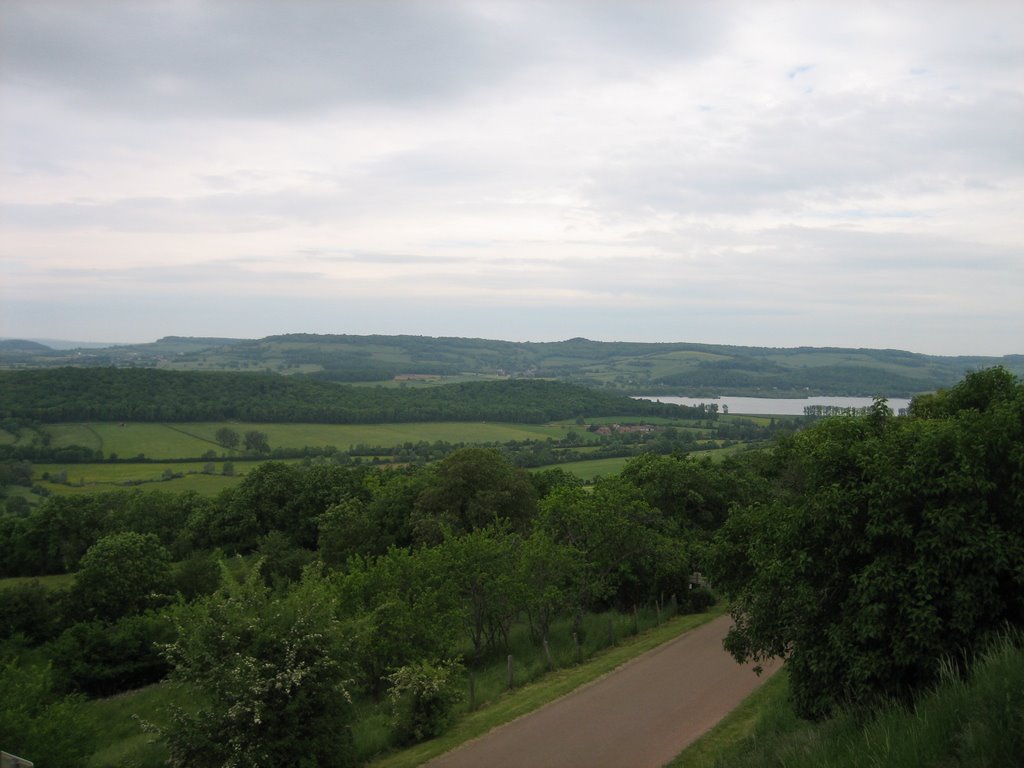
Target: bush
{"points": [[422, 697], [99, 659], [39, 725], [29, 610], [697, 600]]}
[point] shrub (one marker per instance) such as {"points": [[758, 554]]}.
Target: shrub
{"points": [[422, 697]]}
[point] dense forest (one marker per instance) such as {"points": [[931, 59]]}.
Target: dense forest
{"points": [[126, 394], [870, 551], [636, 368]]}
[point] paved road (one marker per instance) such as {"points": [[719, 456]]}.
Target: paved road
{"points": [[641, 715]]}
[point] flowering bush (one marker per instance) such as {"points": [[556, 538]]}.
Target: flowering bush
{"points": [[269, 675], [423, 696]]}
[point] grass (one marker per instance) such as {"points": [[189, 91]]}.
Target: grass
{"points": [[590, 470], [90, 478], [53, 581], [188, 440], [737, 726], [126, 743], [512, 704], [972, 721]]}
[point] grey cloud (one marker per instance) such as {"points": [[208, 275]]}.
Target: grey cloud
{"points": [[830, 147], [253, 57]]}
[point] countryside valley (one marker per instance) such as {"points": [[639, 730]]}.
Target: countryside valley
{"points": [[364, 550]]}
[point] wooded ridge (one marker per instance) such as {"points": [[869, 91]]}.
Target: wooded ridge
{"points": [[127, 394], [635, 368]]}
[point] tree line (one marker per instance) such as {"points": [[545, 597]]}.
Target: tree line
{"points": [[123, 394]]}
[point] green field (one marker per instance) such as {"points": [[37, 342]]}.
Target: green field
{"points": [[590, 470], [193, 440], [90, 478], [52, 581]]}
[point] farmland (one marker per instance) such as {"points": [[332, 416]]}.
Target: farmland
{"points": [[400, 362], [179, 457]]}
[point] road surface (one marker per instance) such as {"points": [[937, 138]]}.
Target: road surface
{"points": [[639, 716]]}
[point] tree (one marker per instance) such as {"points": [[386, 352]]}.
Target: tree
{"points": [[101, 659], [268, 673], [256, 441], [122, 574], [227, 437], [696, 493], [551, 574], [896, 543], [630, 551], [473, 488], [401, 607], [483, 570]]}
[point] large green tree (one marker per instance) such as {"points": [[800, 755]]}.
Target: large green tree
{"points": [[473, 488], [122, 574], [899, 541]]}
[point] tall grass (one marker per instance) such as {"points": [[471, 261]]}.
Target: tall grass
{"points": [[976, 720]]}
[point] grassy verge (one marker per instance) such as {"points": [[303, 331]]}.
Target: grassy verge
{"points": [[972, 721], [523, 700], [737, 726]]}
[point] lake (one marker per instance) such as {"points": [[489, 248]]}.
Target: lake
{"points": [[782, 406]]}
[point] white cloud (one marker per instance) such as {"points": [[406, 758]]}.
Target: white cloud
{"points": [[770, 173]]}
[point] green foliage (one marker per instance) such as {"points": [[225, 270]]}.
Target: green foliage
{"points": [[897, 543], [975, 719], [552, 575], [347, 529], [101, 659], [122, 574], [227, 437], [401, 607], [29, 609], [695, 493], [256, 441], [423, 696], [631, 552], [198, 575], [482, 568], [473, 488], [268, 672], [40, 725], [280, 560], [147, 395]]}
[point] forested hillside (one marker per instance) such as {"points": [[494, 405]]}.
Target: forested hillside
{"points": [[126, 394], [636, 368]]}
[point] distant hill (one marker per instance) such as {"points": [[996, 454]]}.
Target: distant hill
{"points": [[22, 345], [680, 368]]}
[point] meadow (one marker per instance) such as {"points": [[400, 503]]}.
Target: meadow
{"points": [[193, 440], [186, 456]]}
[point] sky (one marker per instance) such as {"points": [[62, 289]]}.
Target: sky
{"points": [[756, 173]]}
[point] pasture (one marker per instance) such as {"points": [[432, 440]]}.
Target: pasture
{"points": [[194, 440], [90, 478]]}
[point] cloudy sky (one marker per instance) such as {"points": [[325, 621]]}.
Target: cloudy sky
{"points": [[765, 173]]}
